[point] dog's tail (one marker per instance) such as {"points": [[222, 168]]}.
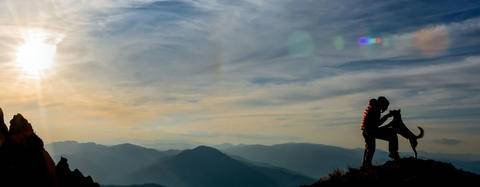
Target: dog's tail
{"points": [[421, 133]]}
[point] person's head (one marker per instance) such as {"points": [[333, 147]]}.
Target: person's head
{"points": [[373, 102], [383, 103]]}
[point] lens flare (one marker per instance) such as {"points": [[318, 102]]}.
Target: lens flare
{"points": [[301, 44], [338, 42], [432, 41], [369, 41]]}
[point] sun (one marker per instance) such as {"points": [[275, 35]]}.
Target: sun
{"points": [[36, 54]]}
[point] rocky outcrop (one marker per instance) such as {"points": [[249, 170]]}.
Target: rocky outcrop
{"points": [[75, 178], [405, 172], [25, 162]]}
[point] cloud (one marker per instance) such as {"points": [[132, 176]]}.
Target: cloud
{"points": [[224, 69], [447, 141]]}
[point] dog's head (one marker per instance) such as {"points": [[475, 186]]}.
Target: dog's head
{"points": [[396, 113]]}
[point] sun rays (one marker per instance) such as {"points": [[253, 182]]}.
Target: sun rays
{"points": [[36, 53]]}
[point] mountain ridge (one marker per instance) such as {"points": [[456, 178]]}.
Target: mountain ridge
{"points": [[314, 160], [307, 159], [207, 166]]}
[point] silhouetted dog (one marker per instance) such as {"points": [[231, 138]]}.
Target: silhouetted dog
{"points": [[400, 127]]}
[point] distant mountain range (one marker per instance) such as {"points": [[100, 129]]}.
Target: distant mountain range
{"points": [[317, 160], [313, 160], [206, 166], [202, 166], [105, 163], [289, 164]]}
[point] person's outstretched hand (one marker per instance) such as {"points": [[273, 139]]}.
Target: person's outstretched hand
{"points": [[389, 114]]}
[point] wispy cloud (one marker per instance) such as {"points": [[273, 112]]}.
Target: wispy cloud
{"points": [[229, 68], [448, 141]]}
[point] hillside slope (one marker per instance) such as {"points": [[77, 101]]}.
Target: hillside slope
{"points": [[405, 172], [206, 166]]}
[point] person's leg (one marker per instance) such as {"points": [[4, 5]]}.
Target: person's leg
{"points": [[388, 134], [369, 149]]}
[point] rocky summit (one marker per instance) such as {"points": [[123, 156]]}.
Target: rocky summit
{"points": [[404, 172], [25, 162]]}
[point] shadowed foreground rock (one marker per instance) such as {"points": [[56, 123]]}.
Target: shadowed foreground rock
{"points": [[405, 172], [24, 161], [75, 178]]}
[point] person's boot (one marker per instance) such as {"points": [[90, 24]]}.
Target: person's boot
{"points": [[367, 159], [395, 156]]}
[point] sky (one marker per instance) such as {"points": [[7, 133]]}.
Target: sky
{"points": [[246, 71]]}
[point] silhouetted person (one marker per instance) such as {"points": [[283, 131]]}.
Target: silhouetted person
{"points": [[371, 130]]}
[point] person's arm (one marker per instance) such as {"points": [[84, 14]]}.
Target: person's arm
{"points": [[384, 118]]}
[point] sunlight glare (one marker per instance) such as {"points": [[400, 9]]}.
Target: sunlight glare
{"points": [[36, 54]]}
